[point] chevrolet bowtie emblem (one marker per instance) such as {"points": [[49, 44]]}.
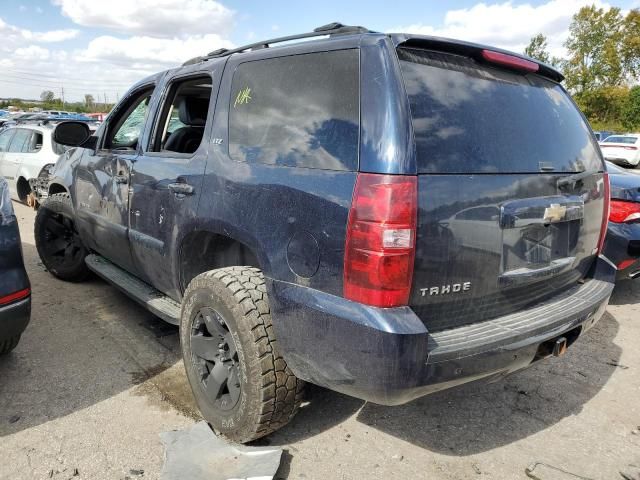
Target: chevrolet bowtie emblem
{"points": [[554, 213]]}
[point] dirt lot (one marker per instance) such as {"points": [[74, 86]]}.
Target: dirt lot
{"points": [[96, 378]]}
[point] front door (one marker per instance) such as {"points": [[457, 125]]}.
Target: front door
{"points": [[167, 177], [102, 184], [13, 158]]}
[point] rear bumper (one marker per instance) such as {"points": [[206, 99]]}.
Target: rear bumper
{"points": [[388, 357], [14, 318], [623, 161]]}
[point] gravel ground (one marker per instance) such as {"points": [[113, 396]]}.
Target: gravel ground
{"points": [[96, 378]]}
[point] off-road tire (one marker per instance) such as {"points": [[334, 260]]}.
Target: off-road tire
{"points": [[71, 269], [7, 345], [270, 394]]}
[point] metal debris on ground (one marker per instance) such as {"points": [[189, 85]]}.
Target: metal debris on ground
{"points": [[543, 471], [198, 454]]}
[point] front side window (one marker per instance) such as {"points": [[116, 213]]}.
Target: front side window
{"points": [[181, 125], [5, 138], [298, 111], [19, 142], [126, 127]]}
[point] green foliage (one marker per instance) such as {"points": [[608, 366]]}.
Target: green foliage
{"points": [[631, 110], [537, 48]]}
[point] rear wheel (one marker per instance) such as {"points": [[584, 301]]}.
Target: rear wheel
{"points": [[241, 383], [57, 239]]}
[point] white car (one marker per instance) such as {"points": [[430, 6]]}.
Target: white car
{"points": [[24, 150], [622, 149]]}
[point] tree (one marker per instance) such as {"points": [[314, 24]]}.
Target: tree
{"points": [[630, 50], [631, 109], [89, 100], [594, 46], [47, 96], [537, 48]]}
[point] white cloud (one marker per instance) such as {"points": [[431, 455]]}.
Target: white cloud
{"points": [[508, 25], [148, 52], [32, 52], [156, 18], [12, 35]]}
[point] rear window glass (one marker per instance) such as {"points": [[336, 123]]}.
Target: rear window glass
{"points": [[629, 140], [468, 118], [297, 111]]}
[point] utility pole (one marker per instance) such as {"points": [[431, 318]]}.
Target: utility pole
{"points": [[62, 95], [105, 98]]}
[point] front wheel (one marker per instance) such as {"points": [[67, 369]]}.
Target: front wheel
{"points": [[57, 239], [240, 382]]}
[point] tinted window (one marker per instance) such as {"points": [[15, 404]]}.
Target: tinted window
{"points": [[4, 140], [468, 118], [629, 140], [20, 141], [301, 110]]}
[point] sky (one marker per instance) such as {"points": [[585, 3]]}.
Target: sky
{"points": [[101, 47]]}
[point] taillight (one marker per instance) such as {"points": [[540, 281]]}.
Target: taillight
{"points": [[381, 236], [15, 296], [510, 61], [626, 263], [605, 211], [622, 212]]}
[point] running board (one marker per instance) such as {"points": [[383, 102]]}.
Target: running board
{"points": [[153, 300]]}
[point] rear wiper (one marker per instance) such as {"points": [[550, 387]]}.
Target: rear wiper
{"points": [[573, 179]]}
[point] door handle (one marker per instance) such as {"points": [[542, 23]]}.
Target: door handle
{"points": [[181, 188], [120, 178]]}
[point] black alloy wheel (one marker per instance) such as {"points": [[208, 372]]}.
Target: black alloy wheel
{"points": [[215, 358]]}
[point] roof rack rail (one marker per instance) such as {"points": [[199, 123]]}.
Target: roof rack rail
{"points": [[335, 28]]}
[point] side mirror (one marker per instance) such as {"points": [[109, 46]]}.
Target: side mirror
{"points": [[71, 134]]}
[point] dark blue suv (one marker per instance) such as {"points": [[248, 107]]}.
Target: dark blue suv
{"points": [[382, 215]]}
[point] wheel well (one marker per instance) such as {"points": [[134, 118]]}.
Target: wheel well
{"points": [[23, 189], [203, 251], [56, 188]]}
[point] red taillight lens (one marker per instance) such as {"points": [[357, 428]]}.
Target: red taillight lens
{"points": [[14, 297], [510, 61], [381, 235], [622, 211], [605, 211]]}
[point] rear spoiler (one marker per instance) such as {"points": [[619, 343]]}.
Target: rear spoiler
{"points": [[468, 49]]}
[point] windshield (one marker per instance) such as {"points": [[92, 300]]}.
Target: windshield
{"points": [[468, 118], [628, 140]]}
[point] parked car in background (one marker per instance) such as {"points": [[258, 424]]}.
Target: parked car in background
{"points": [[602, 134], [15, 290], [24, 150], [622, 149], [623, 234], [284, 205]]}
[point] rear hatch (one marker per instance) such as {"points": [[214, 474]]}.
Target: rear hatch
{"points": [[510, 188]]}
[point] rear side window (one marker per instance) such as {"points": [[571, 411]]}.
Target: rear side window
{"points": [[298, 111], [468, 118]]}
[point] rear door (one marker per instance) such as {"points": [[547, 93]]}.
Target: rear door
{"points": [[166, 179], [510, 188]]}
